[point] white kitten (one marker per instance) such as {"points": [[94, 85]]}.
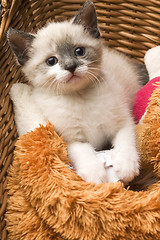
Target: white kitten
{"points": [[85, 89]]}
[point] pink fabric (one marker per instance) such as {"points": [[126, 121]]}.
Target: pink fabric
{"points": [[142, 98]]}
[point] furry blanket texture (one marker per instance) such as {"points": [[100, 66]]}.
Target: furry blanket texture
{"points": [[47, 200]]}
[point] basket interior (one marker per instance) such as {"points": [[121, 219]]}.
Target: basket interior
{"points": [[129, 26]]}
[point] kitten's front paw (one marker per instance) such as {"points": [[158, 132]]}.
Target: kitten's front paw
{"points": [[125, 164], [93, 173], [19, 91]]}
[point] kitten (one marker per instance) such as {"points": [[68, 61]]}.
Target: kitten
{"points": [[84, 88]]}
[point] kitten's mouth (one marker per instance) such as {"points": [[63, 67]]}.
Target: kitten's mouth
{"points": [[73, 78]]}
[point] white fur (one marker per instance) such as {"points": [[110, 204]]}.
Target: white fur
{"points": [[88, 117], [27, 115]]}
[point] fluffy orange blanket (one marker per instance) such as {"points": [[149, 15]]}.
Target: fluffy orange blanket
{"points": [[47, 200]]}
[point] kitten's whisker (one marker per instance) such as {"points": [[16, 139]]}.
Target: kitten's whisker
{"points": [[52, 82], [94, 76], [96, 79], [47, 83], [92, 80], [58, 88], [93, 67], [95, 61], [98, 75]]}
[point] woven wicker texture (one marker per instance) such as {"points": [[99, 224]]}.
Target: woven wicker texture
{"points": [[131, 26]]}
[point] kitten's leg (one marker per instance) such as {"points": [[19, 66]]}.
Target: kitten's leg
{"points": [[86, 163], [27, 115], [125, 154]]}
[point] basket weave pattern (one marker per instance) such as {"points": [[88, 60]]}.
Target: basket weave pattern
{"points": [[129, 26]]}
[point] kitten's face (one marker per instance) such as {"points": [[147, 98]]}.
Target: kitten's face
{"points": [[63, 57]]}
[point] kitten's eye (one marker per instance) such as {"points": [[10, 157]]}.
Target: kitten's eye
{"points": [[80, 51], [51, 61]]}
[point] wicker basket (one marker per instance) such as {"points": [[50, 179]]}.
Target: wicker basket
{"points": [[131, 26]]}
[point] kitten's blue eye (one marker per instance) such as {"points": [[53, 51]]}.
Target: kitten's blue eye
{"points": [[51, 61], [80, 51]]}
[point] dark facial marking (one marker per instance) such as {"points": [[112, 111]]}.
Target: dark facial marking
{"points": [[71, 56], [68, 60]]}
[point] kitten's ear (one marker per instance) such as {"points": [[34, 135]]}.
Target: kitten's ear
{"points": [[88, 18], [20, 43]]}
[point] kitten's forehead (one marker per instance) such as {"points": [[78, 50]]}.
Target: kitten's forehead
{"points": [[55, 34]]}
